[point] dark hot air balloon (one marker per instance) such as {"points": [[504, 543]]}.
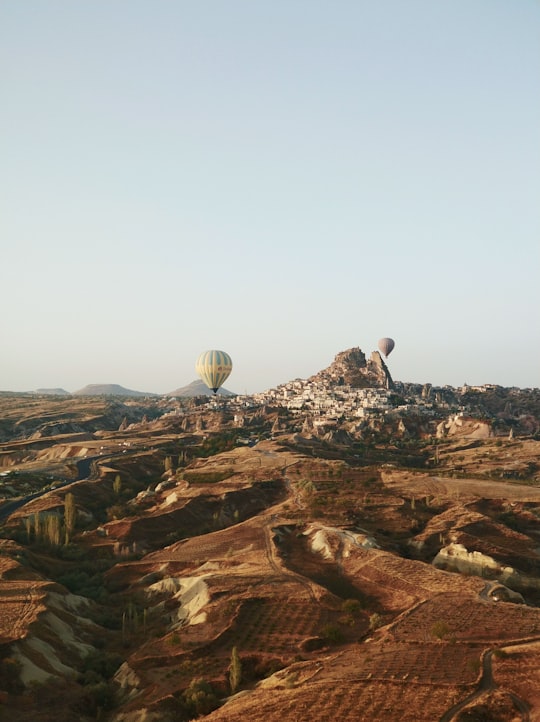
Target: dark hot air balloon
{"points": [[386, 345]]}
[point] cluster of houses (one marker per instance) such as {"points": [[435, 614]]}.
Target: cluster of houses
{"points": [[340, 401], [322, 400]]}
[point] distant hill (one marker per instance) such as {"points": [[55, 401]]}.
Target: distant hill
{"points": [[198, 388], [109, 390], [52, 392]]}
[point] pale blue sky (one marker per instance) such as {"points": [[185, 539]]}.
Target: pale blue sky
{"points": [[281, 180]]}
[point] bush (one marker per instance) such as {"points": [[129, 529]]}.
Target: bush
{"points": [[118, 511], [80, 582], [72, 552], [101, 664], [108, 617], [97, 697], [352, 606], [332, 633], [199, 697], [440, 629]]}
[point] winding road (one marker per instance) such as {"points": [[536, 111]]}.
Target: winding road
{"points": [[486, 684], [84, 471]]}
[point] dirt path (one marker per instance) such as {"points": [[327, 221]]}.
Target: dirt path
{"points": [[424, 484], [486, 684]]}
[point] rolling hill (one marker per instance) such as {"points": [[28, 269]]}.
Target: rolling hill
{"points": [[109, 390]]}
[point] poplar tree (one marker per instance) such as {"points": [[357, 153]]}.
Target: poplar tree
{"points": [[235, 671], [117, 484], [28, 527], [52, 529], [70, 515], [38, 526]]}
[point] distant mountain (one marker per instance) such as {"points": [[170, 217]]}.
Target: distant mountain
{"points": [[198, 388], [52, 392], [109, 390]]}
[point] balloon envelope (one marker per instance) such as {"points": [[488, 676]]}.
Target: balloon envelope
{"points": [[386, 345], [214, 368]]}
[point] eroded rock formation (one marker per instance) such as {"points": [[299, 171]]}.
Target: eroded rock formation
{"points": [[351, 368]]}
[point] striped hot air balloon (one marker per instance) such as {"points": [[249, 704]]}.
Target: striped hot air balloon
{"points": [[214, 368], [386, 345]]}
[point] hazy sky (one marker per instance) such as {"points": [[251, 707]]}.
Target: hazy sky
{"points": [[279, 179]]}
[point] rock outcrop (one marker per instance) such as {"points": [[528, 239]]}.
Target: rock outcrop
{"points": [[352, 369], [457, 558], [459, 425]]}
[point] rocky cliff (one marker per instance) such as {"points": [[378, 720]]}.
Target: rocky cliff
{"points": [[351, 368]]}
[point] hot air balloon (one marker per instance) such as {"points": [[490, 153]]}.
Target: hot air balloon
{"points": [[214, 368], [386, 345]]}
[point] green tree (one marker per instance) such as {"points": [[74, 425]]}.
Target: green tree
{"points": [[235, 671], [28, 527], [117, 484], [70, 515], [199, 697], [38, 526], [52, 529]]}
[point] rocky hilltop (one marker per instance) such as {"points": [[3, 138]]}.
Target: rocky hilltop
{"points": [[351, 368], [52, 392]]}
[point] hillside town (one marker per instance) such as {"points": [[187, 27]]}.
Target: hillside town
{"points": [[355, 389]]}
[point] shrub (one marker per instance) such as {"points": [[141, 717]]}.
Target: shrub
{"points": [[200, 697], [118, 511], [72, 552], [332, 633], [97, 697], [101, 664], [81, 582], [439, 629], [352, 607]]}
